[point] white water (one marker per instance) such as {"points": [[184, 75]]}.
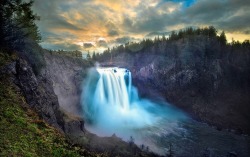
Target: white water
{"points": [[111, 105]]}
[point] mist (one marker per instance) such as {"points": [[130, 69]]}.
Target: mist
{"points": [[111, 105]]}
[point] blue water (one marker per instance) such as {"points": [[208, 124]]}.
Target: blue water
{"points": [[111, 105]]}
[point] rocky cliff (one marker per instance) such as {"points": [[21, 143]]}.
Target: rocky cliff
{"points": [[55, 95], [67, 74], [55, 92], [38, 91]]}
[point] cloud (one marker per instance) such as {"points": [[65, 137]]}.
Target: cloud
{"points": [[247, 31], [88, 45], [113, 33], [154, 34], [61, 46], [118, 22], [112, 29], [102, 43], [122, 40], [231, 15]]}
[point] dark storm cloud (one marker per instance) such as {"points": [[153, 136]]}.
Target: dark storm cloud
{"points": [[124, 40], [113, 33], [236, 23], [102, 43], [112, 29], [152, 19], [232, 15], [88, 45], [51, 18], [62, 23]]}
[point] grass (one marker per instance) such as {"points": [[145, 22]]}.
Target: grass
{"points": [[22, 132]]}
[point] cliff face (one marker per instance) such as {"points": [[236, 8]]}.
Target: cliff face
{"points": [[208, 80], [55, 92], [37, 90], [55, 96], [67, 74]]}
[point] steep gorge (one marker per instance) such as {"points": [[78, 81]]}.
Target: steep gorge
{"points": [[61, 81], [208, 80]]}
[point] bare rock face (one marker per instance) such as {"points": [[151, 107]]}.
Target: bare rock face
{"points": [[67, 75], [38, 93], [55, 92]]}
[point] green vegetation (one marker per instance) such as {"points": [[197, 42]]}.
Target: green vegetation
{"points": [[6, 58], [19, 33], [74, 54], [22, 132], [192, 35], [17, 24]]}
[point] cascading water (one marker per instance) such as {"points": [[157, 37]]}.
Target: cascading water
{"points": [[111, 105]]}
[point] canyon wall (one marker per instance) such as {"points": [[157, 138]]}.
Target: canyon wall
{"points": [[208, 80]]}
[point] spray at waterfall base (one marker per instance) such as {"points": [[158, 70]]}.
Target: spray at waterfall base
{"points": [[111, 105]]}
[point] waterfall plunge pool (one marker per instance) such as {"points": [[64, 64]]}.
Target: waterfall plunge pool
{"points": [[111, 105]]}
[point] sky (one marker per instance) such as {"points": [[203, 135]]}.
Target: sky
{"points": [[95, 25]]}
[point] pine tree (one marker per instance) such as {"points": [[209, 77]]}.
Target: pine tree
{"points": [[164, 38], [222, 38], [88, 56], [94, 56], [17, 24]]}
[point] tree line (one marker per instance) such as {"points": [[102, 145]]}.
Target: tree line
{"points": [[19, 33], [209, 33]]}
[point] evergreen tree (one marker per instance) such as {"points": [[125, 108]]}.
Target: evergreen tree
{"points": [[173, 36], [212, 32], [17, 24], [94, 56], [19, 33], [222, 38], [88, 56], [164, 38]]}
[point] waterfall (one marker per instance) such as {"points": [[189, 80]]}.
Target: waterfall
{"points": [[113, 87], [111, 105]]}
